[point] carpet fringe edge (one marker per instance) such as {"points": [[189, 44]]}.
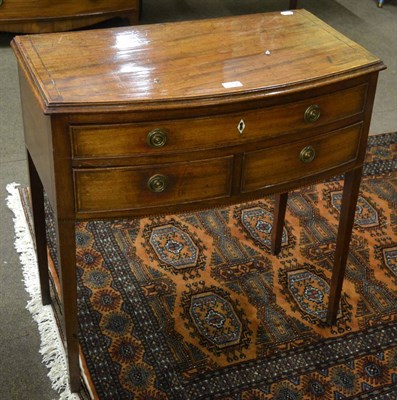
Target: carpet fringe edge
{"points": [[51, 347]]}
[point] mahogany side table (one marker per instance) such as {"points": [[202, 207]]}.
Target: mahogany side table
{"points": [[180, 116]]}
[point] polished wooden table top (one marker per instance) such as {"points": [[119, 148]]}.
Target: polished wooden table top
{"points": [[191, 61]]}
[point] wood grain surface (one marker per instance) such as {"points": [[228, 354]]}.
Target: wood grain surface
{"points": [[263, 53]]}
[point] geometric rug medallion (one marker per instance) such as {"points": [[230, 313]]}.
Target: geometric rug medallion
{"points": [[194, 306]]}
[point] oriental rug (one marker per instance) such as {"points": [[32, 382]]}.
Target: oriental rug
{"points": [[194, 306]]}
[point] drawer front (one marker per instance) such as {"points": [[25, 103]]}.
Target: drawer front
{"points": [[301, 159], [129, 188], [204, 133], [27, 9]]}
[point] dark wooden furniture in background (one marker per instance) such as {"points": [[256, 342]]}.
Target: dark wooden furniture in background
{"points": [[35, 16], [180, 116]]}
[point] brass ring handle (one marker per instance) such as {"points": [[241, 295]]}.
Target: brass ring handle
{"points": [[312, 113], [157, 183], [307, 154], [156, 138]]}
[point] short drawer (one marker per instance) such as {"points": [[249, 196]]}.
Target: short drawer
{"points": [[128, 188], [118, 140], [301, 159]]}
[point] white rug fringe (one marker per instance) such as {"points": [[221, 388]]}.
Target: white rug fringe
{"points": [[51, 346]]}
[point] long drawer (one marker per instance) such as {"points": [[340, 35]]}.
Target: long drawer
{"points": [[128, 188], [297, 160], [118, 140]]}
